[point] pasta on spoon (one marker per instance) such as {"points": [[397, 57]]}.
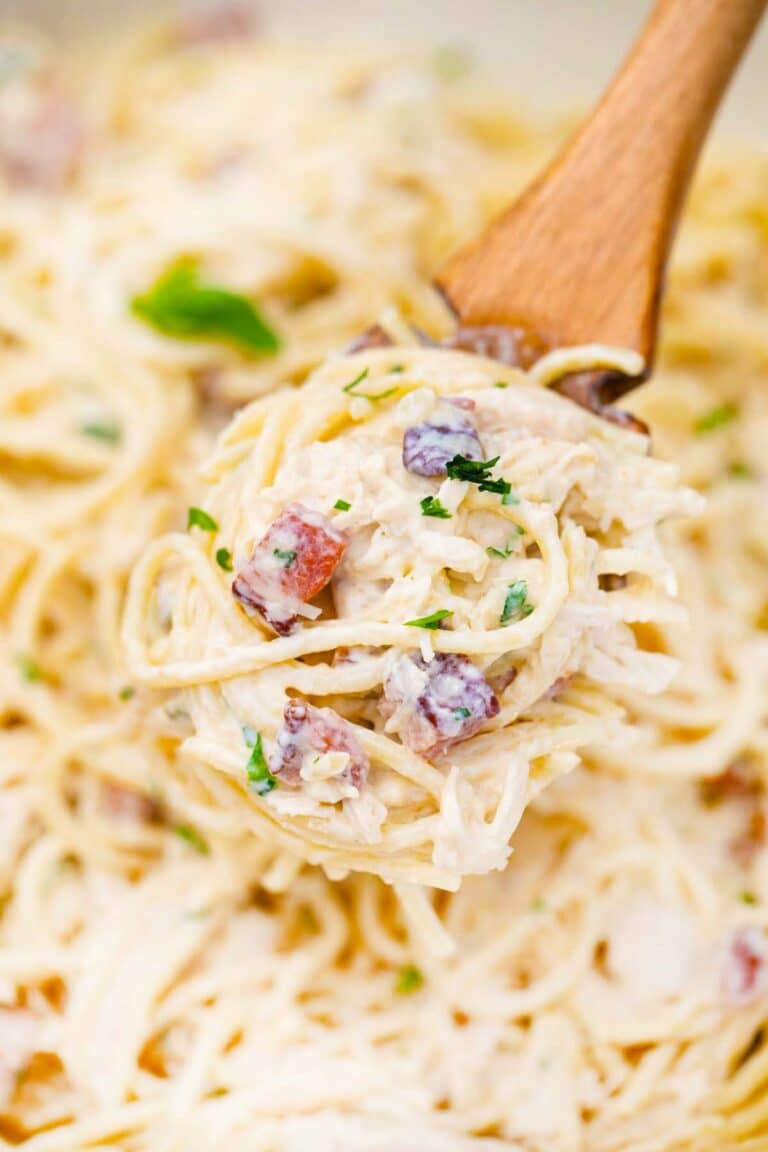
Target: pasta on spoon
{"points": [[392, 624]]}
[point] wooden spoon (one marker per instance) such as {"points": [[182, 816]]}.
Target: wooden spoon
{"points": [[580, 257]]}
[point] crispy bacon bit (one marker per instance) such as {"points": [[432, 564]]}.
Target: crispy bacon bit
{"points": [[292, 563], [122, 803], [308, 731], [514, 346], [429, 446], [41, 138], [374, 337], [433, 706], [218, 23], [743, 977], [738, 782]]}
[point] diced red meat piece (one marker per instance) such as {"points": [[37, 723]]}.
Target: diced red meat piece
{"points": [[219, 22], [739, 781], [292, 563], [427, 447], [744, 971], [374, 337], [41, 138], [513, 346], [123, 803], [437, 704], [307, 730]]}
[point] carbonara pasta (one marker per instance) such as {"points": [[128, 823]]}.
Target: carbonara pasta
{"points": [[169, 978], [484, 546]]}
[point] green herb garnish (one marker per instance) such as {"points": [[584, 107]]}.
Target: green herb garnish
{"points": [[192, 837], [716, 418], [179, 304], [285, 556], [102, 430], [28, 667], [501, 384], [538, 905], [260, 779], [431, 506], [349, 389], [409, 980], [396, 368], [749, 898], [342, 506], [508, 549], [127, 692], [516, 605], [477, 472], [198, 518], [224, 559], [462, 714], [432, 621], [740, 470]]}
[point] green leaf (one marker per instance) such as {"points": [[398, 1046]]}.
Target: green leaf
{"points": [[193, 838], [516, 605], [716, 418], [105, 430], [478, 472], [501, 384], [431, 506], [179, 304], [462, 714], [260, 779], [224, 559], [285, 556], [432, 621], [28, 667], [510, 547], [350, 389], [342, 506], [409, 980], [740, 470], [748, 897], [198, 518], [127, 693]]}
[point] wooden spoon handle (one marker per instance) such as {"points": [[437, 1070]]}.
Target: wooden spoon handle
{"points": [[580, 257]]}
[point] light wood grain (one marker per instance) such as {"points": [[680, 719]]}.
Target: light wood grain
{"points": [[580, 257]]}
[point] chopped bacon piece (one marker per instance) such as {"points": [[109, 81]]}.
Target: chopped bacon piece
{"points": [[122, 803], [374, 337], [514, 346], [739, 781], [435, 705], [310, 731], [752, 840], [41, 138], [429, 446], [218, 23], [292, 563], [744, 972]]}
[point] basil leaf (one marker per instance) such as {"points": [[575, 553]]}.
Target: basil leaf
{"points": [[198, 518], [432, 621], [179, 304]]}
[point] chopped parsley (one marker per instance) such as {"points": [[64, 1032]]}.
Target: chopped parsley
{"points": [[748, 897], [396, 368], [462, 714], [740, 470], [501, 384], [224, 559], [478, 472], [342, 505], [180, 304], [516, 604], [260, 779], [127, 692], [198, 518], [432, 621], [510, 547], [104, 430], [715, 418], [350, 389], [28, 667], [431, 506], [192, 837], [285, 556], [409, 980]]}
